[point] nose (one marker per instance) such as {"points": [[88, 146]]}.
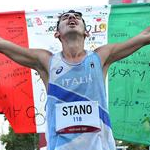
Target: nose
{"points": [[72, 16]]}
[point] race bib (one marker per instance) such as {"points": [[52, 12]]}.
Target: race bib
{"points": [[77, 117]]}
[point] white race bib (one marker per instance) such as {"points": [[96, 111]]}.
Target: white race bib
{"points": [[77, 117]]}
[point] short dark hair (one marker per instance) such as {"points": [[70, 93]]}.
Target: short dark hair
{"points": [[70, 11]]}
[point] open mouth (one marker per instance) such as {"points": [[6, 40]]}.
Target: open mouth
{"points": [[72, 23]]}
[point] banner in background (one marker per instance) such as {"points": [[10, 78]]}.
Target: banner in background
{"points": [[16, 93], [41, 26], [129, 78], [23, 98], [23, 95]]}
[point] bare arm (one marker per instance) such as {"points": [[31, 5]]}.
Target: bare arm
{"points": [[33, 58], [113, 52]]}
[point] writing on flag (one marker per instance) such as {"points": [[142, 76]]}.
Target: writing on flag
{"points": [[22, 93], [16, 96], [129, 96]]}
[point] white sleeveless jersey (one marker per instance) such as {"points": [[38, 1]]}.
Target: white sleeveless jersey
{"points": [[77, 112]]}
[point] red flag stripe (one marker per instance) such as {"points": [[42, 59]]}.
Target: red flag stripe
{"points": [[16, 96]]}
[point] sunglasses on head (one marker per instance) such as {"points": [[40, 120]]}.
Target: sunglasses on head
{"points": [[66, 14]]}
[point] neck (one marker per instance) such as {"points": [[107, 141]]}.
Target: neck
{"points": [[73, 49]]}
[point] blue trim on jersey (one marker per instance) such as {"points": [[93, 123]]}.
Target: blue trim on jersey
{"points": [[62, 94], [68, 96]]}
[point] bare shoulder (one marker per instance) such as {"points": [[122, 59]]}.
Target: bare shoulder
{"points": [[44, 58], [43, 64], [104, 52]]}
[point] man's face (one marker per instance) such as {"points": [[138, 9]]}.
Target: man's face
{"points": [[71, 23]]}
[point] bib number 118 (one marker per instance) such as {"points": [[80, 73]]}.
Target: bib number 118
{"points": [[77, 119]]}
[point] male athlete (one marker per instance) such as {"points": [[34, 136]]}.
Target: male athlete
{"points": [[77, 112]]}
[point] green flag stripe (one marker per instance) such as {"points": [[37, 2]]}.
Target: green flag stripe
{"points": [[129, 78]]}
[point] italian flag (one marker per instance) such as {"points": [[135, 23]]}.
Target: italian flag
{"points": [[23, 95]]}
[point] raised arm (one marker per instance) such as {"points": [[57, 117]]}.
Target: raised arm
{"points": [[33, 58], [112, 52]]}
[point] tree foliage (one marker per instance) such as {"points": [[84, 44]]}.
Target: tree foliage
{"points": [[133, 146], [15, 141]]}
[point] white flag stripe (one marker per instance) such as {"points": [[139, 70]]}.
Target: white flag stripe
{"points": [[41, 26]]}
